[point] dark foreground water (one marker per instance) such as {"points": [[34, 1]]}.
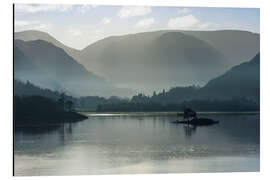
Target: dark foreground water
{"points": [[117, 144]]}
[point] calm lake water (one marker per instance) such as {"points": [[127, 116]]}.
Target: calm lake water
{"points": [[139, 143]]}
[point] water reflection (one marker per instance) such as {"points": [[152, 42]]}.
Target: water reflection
{"points": [[45, 138], [189, 130], [36, 130], [121, 144]]}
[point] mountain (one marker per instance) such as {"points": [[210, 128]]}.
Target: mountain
{"points": [[49, 66], [237, 46], [161, 59], [31, 35], [154, 60], [240, 85], [240, 81], [25, 69]]}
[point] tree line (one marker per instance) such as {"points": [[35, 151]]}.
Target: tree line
{"points": [[175, 99]]}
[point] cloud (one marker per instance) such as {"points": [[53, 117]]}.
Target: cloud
{"points": [[42, 26], [34, 8], [84, 8], [145, 23], [206, 26], [132, 11], [106, 20], [25, 23], [190, 22], [183, 11], [183, 22], [75, 32], [95, 5]]}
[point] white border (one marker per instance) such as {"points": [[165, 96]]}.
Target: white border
{"points": [[6, 85], [196, 3]]}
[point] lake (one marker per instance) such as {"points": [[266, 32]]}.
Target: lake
{"points": [[139, 143]]}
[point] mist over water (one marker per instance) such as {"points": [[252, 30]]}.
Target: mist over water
{"points": [[139, 143]]}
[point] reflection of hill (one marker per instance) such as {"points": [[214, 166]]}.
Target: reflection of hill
{"points": [[46, 138], [246, 127]]}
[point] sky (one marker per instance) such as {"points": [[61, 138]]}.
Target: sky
{"points": [[78, 26]]}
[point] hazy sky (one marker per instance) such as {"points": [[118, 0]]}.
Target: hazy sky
{"points": [[80, 25]]}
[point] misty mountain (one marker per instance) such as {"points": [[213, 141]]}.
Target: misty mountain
{"points": [[154, 60], [240, 84], [148, 61], [49, 66], [240, 81], [237, 46], [25, 69], [161, 59], [31, 35], [238, 87]]}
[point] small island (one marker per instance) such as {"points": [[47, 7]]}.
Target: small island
{"points": [[190, 118]]}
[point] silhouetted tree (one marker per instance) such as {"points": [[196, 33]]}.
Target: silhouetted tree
{"points": [[61, 100], [69, 105], [38, 110]]}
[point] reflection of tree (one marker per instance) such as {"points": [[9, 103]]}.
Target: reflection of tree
{"points": [[65, 132], [189, 130]]}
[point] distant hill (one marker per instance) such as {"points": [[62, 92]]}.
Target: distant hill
{"points": [[154, 60], [161, 59], [49, 66], [26, 69], [237, 46], [240, 81], [240, 84], [31, 35]]}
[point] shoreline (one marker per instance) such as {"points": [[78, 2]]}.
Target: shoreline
{"points": [[91, 113]]}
